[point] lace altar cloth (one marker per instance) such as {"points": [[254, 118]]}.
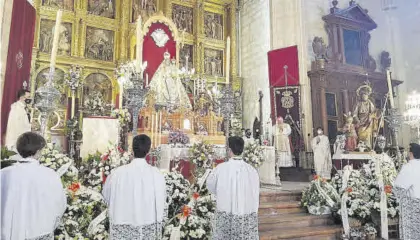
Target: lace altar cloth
{"points": [[235, 227], [171, 153], [98, 134], [409, 214], [355, 159]]}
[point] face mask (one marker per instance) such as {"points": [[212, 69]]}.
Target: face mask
{"points": [[319, 132], [28, 101]]}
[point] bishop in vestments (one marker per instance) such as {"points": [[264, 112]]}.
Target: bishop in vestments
{"points": [[18, 121], [33, 198], [322, 154], [282, 144], [136, 194], [236, 185]]}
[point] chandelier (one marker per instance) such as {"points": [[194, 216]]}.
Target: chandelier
{"points": [[412, 112]]}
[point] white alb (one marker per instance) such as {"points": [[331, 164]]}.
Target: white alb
{"points": [[136, 196], [17, 124], [33, 201], [322, 156]]}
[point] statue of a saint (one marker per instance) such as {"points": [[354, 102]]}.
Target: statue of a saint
{"points": [[365, 114], [168, 87], [350, 132]]}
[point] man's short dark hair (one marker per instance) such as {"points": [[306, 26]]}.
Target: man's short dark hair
{"points": [[319, 128], [415, 149], [22, 93], [29, 143], [141, 145], [236, 144]]}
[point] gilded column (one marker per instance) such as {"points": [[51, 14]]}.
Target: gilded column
{"points": [[124, 23], [37, 5], [199, 35], [82, 42]]}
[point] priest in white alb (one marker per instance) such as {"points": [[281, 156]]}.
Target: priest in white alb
{"points": [[236, 186], [282, 144], [32, 197], [136, 194], [18, 121], [407, 191], [322, 155]]}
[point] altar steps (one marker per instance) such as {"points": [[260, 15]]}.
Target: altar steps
{"points": [[281, 217], [295, 174]]}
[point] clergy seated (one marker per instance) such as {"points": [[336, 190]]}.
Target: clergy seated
{"points": [[135, 195], [236, 186], [33, 198]]}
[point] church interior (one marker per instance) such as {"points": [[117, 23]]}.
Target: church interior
{"points": [[191, 73]]}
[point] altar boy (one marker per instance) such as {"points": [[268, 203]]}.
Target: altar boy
{"points": [[136, 195], [236, 185]]}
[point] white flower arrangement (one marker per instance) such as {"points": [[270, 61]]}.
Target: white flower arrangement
{"points": [[253, 154], [317, 202], [358, 205], [95, 104], [123, 116], [201, 154], [389, 173]]}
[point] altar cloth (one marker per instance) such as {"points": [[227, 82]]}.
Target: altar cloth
{"points": [[98, 135]]}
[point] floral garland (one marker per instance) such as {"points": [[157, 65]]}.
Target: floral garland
{"points": [[123, 116], [254, 154], [178, 136]]}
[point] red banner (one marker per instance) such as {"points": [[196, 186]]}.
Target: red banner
{"points": [[18, 65], [279, 75], [152, 53]]}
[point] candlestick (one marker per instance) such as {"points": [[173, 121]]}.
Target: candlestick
{"points": [[391, 95], [55, 39], [139, 46], [73, 104], [227, 59]]}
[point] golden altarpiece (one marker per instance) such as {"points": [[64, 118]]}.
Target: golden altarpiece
{"points": [[99, 35]]}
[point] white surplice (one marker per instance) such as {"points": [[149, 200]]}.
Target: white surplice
{"points": [[32, 201], [282, 145], [322, 156], [17, 124], [136, 196], [407, 190], [236, 185]]}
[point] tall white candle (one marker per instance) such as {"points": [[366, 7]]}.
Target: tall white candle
{"points": [[156, 128], [121, 97], [186, 63], [160, 127], [73, 104], [139, 45], [227, 59], [147, 80], [391, 96], [152, 128], [55, 39]]}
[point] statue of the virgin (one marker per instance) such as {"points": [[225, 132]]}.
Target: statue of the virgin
{"points": [[168, 87]]}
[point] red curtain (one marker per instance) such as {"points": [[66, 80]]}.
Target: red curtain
{"points": [[154, 54], [277, 59], [19, 55]]}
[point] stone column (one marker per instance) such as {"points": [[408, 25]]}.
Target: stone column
{"points": [[346, 101], [324, 116], [233, 40]]}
